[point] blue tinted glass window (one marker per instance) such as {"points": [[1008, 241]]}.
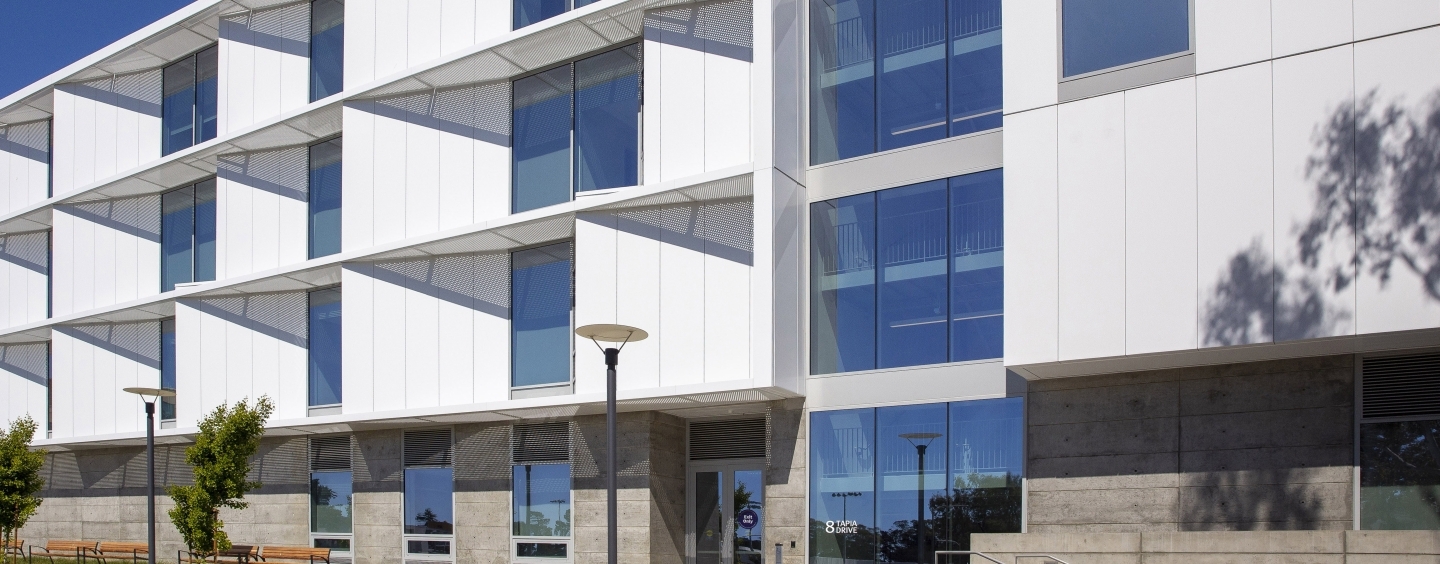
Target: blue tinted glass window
{"points": [[327, 47], [325, 342], [986, 455], [977, 279], [975, 74], [541, 503], [530, 11], [911, 37], [842, 486], [540, 298], [1099, 34], [429, 505], [205, 231], [842, 292], [842, 79], [177, 238], [607, 120], [540, 150], [1399, 473], [207, 94], [167, 368], [911, 443], [330, 497], [325, 169], [178, 106], [911, 233]]}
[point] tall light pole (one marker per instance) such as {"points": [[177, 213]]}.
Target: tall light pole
{"points": [[921, 442], [611, 333], [150, 396], [845, 518]]}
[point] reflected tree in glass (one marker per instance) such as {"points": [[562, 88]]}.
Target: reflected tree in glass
{"points": [[1400, 475], [330, 498], [428, 501]]}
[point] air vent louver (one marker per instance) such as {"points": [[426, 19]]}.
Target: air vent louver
{"points": [[710, 440], [543, 442], [330, 453], [1401, 386], [427, 448]]}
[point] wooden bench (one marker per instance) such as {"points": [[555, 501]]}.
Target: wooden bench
{"points": [[294, 554], [134, 551], [14, 547], [76, 549], [241, 553]]}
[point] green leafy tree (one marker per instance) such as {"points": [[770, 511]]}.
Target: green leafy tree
{"points": [[19, 477], [229, 436]]}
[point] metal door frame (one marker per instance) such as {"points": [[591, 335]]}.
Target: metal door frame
{"points": [[728, 468]]}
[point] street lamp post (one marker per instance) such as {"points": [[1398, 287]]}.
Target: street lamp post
{"points": [[622, 334], [921, 441], [150, 396], [845, 518]]}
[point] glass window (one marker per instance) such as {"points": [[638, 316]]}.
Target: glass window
{"points": [[541, 284], [591, 106], [937, 74], [327, 47], [541, 506], [325, 174], [428, 502], [330, 503], [191, 96], [1400, 475], [187, 235], [881, 480], [939, 294], [1100, 34], [324, 343], [842, 285], [167, 368], [531, 11]]}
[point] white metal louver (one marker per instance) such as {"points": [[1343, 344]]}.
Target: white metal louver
{"points": [[330, 453], [431, 447], [541, 442], [1400, 386], [740, 438]]}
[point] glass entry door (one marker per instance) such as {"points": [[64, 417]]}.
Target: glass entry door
{"points": [[726, 514]]}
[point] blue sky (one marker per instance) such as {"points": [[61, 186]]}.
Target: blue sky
{"points": [[38, 37]]}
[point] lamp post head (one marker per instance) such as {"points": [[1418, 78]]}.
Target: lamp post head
{"points": [[147, 393], [611, 333]]}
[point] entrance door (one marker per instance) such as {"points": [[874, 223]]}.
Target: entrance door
{"points": [[726, 514]]}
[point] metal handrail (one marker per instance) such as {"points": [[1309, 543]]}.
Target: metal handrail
{"points": [[988, 557]]}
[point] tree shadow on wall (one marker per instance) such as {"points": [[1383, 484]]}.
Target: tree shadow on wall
{"points": [[1376, 211]]}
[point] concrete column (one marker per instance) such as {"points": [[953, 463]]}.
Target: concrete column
{"points": [[379, 488], [482, 493], [785, 482], [651, 484]]}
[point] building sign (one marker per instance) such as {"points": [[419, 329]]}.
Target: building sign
{"points": [[842, 527], [747, 519]]}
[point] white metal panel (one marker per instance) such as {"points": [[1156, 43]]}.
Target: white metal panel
{"points": [[422, 339], [727, 111], [492, 327], [264, 355], [213, 373], [239, 229], [125, 261], [596, 292], [729, 257], [456, 160], [267, 83], [1374, 18], [457, 24], [1304, 25], [104, 261], [127, 129], [242, 84], [188, 347], [1231, 33], [424, 34], [637, 300], [85, 134], [1235, 169], [492, 157], [492, 19], [83, 261], [1160, 229], [389, 179], [391, 42], [106, 136], [682, 296], [1400, 72], [264, 229], [454, 280], [422, 171], [240, 362], [62, 384], [294, 218], [1092, 227], [389, 344], [357, 322], [63, 152], [293, 374], [1313, 100], [359, 44], [62, 262], [1030, 32], [357, 172], [651, 141], [682, 109]]}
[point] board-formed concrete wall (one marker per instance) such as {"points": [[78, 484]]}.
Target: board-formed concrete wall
{"points": [[1232, 447], [1349, 547]]}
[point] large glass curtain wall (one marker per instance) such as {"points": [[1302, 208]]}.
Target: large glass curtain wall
{"points": [[187, 235], [531, 11], [541, 300], [908, 276], [167, 368], [892, 73], [1102, 34], [327, 48], [325, 199], [881, 479], [324, 343], [576, 128], [190, 106]]}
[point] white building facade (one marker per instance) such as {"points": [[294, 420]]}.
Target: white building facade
{"points": [[1103, 280]]}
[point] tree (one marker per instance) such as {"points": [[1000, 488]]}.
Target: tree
{"points": [[229, 436], [19, 477]]}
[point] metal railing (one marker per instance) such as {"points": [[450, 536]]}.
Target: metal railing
{"points": [[939, 553]]}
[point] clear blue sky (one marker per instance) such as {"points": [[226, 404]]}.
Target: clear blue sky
{"points": [[38, 37]]}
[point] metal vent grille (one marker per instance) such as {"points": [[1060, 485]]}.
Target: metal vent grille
{"points": [[744, 438], [1400, 386], [330, 453], [427, 448], [542, 442]]}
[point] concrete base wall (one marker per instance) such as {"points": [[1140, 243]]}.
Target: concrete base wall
{"points": [[1319, 547], [786, 482], [1257, 446], [651, 483]]}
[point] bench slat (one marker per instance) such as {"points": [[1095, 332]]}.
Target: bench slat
{"points": [[295, 553]]}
